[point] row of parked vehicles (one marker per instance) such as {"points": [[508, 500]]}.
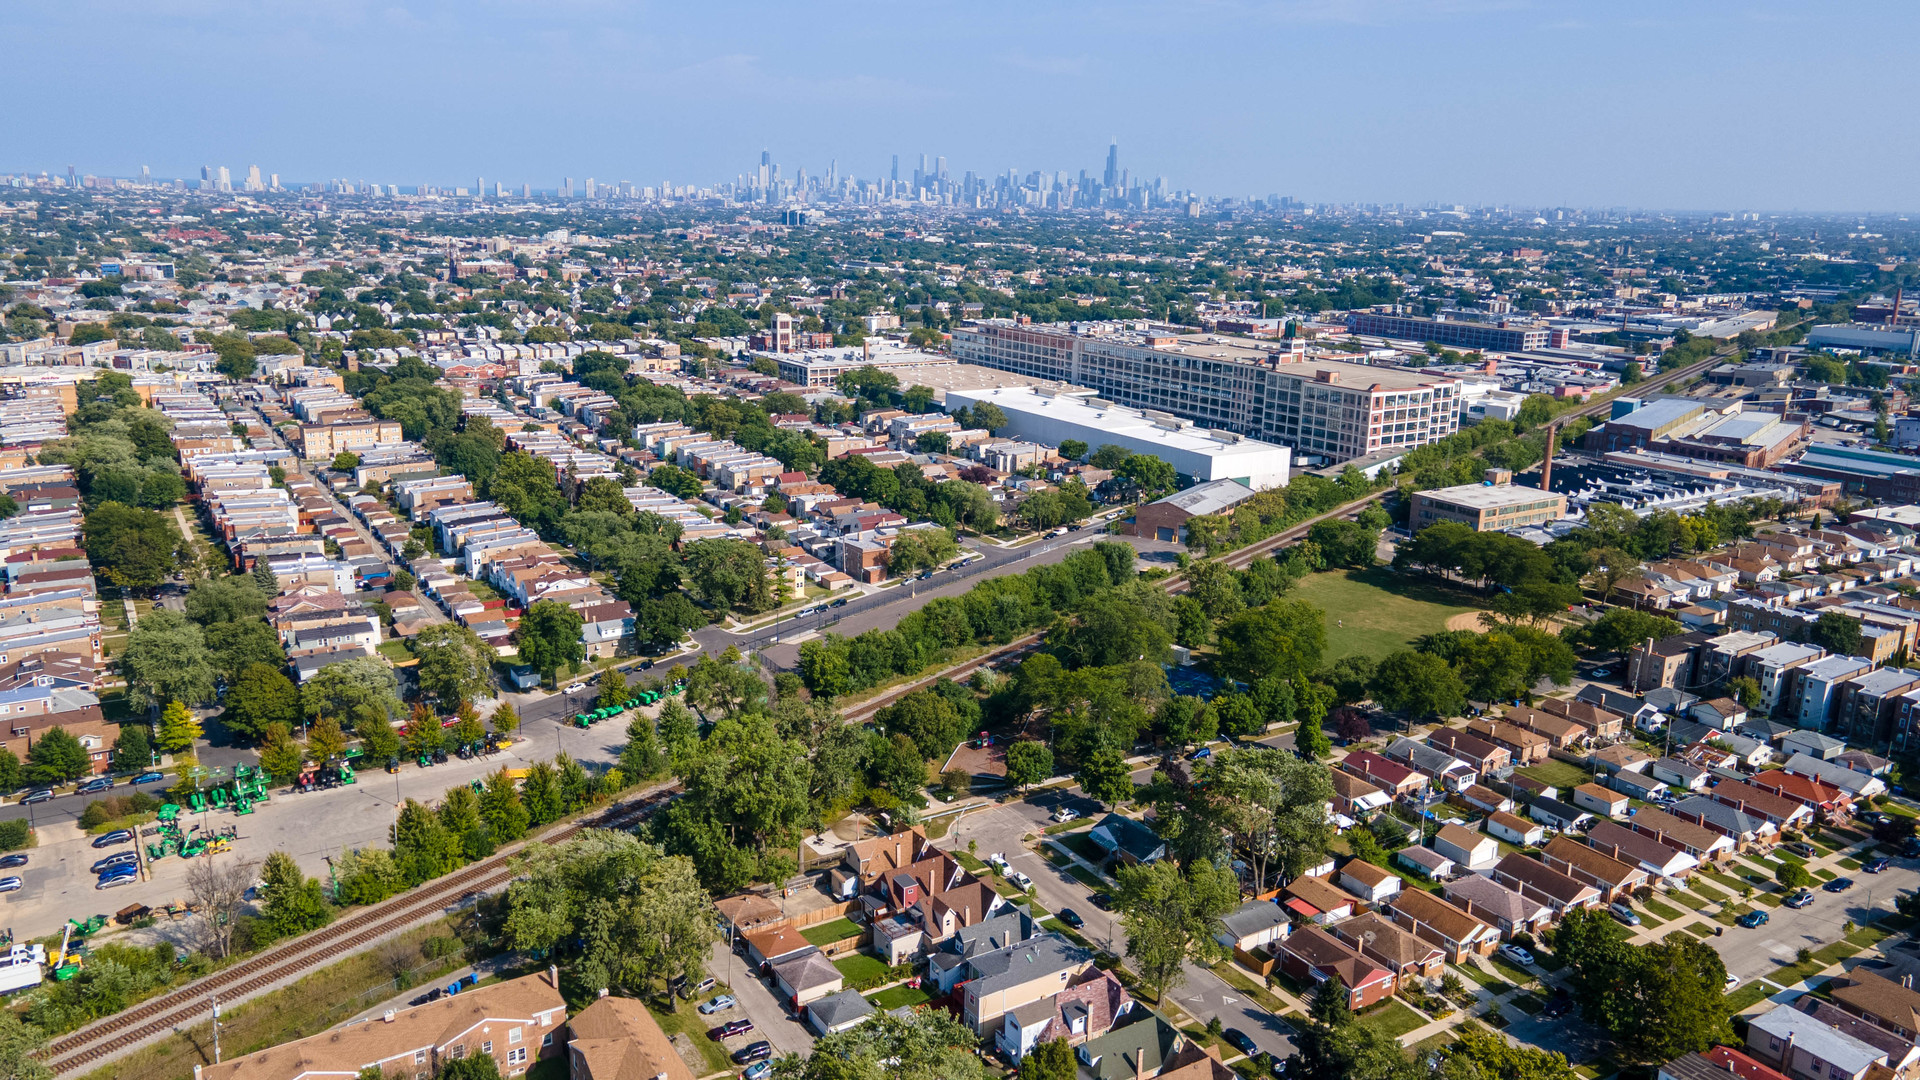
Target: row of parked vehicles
{"points": [[643, 698]]}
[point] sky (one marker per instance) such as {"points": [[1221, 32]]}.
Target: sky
{"points": [[1675, 104]]}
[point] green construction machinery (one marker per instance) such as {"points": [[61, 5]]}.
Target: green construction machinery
{"points": [[89, 926]]}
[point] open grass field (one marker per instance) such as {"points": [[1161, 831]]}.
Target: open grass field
{"points": [[1376, 612]]}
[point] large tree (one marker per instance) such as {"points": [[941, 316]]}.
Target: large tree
{"points": [[1284, 638], [359, 693], [1171, 917], [166, 659], [623, 914], [455, 665], [262, 696], [57, 757], [746, 800], [1418, 685], [926, 1044], [1659, 1000], [225, 599], [549, 636], [133, 548]]}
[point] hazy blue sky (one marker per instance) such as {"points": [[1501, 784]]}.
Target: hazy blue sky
{"points": [[1766, 105]]}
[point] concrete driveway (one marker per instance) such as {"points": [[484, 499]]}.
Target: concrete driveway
{"points": [[757, 1002], [1007, 827]]}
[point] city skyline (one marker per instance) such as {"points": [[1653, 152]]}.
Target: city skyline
{"points": [[1369, 102]]}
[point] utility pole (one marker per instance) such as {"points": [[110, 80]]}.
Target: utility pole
{"points": [[216, 1027]]}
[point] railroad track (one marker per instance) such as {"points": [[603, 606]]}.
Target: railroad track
{"points": [[130, 1028], [1239, 559]]}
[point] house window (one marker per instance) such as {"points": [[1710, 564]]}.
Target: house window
{"points": [[513, 1035], [419, 1057], [487, 1047], [459, 1051], [517, 1056], [547, 1039], [1773, 1043]]}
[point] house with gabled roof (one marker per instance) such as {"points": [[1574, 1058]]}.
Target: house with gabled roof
{"points": [[1635, 848], [1434, 920], [1314, 955], [1505, 909], [1611, 876], [1407, 955], [1535, 880]]}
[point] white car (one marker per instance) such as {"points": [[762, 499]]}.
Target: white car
{"points": [[1021, 880], [999, 861], [1065, 813], [1517, 955], [1732, 981]]}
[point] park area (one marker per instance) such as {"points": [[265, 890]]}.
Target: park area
{"points": [[1378, 611]]}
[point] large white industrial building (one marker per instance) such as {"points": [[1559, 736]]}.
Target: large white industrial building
{"points": [[1053, 417]]}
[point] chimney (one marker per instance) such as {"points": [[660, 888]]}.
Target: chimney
{"points": [[1546, 463], [553, 975], [196, 1072]]}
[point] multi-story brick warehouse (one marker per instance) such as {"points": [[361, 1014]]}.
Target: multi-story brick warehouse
{"points": [[1460, 335], [1336, 409]]}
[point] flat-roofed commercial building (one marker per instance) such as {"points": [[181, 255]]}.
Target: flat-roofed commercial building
{"points": [[1202, 453], [1334, 409], [1486, 507]]}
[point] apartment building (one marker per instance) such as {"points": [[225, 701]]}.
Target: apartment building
{"points": [[1334, 409], [1496, 337]]}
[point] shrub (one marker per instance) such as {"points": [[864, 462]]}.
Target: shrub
{"points": [[14, 835]]}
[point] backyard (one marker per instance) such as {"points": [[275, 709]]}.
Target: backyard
{"points": [[1376, 612]]}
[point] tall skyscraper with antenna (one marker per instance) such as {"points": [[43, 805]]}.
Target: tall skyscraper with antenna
{"points": [[1112, 178]]}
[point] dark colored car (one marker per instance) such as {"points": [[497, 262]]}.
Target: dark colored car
{"points": [[42, 795], [1101, 900], [1839, 884], [842, 602], [1240, 1041], [759, 1051], [1560, 1005], [1070, 917], [149, 777], [729, 1029], [1876, 865], [95, 786], [117, 836], [8, 862], [1752, 919]]}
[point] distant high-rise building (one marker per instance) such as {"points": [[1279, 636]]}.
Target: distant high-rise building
{"points": [[274, 183], [225, 182], [480, 187], [253, 179], [766, 163], [526, 191], [146, 175], [590, 187], [1112, 177], [73, 178], [566, 188], [896, 169]]}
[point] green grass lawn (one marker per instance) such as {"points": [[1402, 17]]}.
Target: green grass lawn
{"points": [[858, 967], [1660, 909], [894, 997], [1493, 983], [1561, 774], [1376, 612], [827, 933], [1392, 1018], [684, 1020], [1699, 929], [1747, 995]]}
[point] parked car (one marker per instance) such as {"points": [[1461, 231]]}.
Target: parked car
{"points": [[1801, 899], [729, 1029], [12, 884], [1877, 864], [124, 858], [759, 1070], [8, 862], [1752, 919], [1802, 849], [117, 836], [1732, 981], [1020, 880], [1624, 913], [95, 786], [115, 882], [1517, 955], [1065, 813], [1201, 754], [1558, 1006], [1101, 900], [759, 1051], [719, 1004], [42, 795], [1240, 1041], [1068, 916], [149, 777], [1839, 884], [999, 861]]}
